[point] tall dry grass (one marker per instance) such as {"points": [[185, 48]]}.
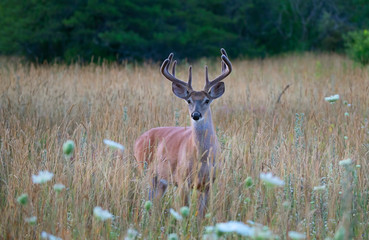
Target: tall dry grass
{"points": [[301, 140]]}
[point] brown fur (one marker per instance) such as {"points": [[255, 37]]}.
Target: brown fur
{"points": [[174, 153], [185, 155]]}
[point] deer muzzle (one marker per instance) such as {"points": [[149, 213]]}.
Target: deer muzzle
{"points": [[196, 116]]}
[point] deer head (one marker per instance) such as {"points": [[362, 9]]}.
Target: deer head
{"points": [[198, 101]]}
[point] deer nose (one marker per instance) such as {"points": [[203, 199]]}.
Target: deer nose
{"points": [[196, 116]]}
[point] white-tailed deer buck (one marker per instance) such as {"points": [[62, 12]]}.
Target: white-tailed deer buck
{"points": [[185, 156]]}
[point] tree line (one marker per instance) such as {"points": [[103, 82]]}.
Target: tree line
{"points": [[115, 30]]}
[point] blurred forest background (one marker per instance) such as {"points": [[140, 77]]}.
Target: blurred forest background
{"points": [[82, 30]]}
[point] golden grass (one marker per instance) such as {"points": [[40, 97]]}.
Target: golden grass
{"points": [[301, 140]]}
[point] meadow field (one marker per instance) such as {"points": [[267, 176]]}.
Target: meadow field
{"points": [[302, 140]]}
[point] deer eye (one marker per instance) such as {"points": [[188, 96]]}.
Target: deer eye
{"points": [[189, 101], [207, 101]]}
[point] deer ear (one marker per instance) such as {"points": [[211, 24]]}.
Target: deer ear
{"points": [[180, 91], [217, 90]]}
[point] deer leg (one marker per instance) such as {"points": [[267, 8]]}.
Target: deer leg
{"points": [[158, 188], [153, 187], [162, 187], [184, 190], [203, 200]]}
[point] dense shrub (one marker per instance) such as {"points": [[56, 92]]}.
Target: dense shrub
{"points": [[73, 30], [357, 46]]}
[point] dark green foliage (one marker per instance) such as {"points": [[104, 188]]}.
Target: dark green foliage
{"points": [[357, 44], [73, 30]]}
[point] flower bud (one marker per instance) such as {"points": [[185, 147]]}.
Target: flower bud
{"points": [[248, 182], [23, 199], [148, 205], [68, 147], [185, 211]]}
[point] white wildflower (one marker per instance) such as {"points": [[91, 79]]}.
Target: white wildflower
{"points": [[296, 235], [175, 214], [286, 204], [345, 137], [332, 98], [113, 144], [45, 235], [209, 236], [260, 231], [210, 233], [101, 214], [209, 229], [269, 179], [58, 187], [319, 188], [173, 236], [250, 222], [347, 114], [345, 162], [42, 177], [263, 233], [31, 220], [131, 234], [236, 227]]}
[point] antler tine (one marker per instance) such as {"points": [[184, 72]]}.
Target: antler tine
{"points": [[223, 52], [174, 68], [171, 77], [190, 77], [206, 77], [226, 70]]}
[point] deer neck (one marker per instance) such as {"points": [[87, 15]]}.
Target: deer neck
{"points": [[204, 137]]}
